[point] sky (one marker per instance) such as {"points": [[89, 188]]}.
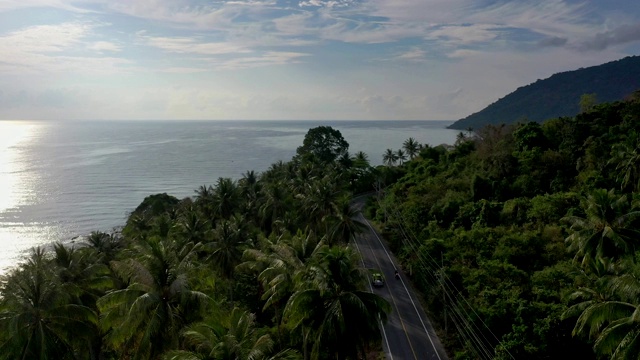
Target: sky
{"points": [[294, 60]]}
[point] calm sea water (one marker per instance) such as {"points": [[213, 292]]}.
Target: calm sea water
{"points": [[60, 180]]}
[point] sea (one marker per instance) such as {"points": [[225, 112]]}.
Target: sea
{"points": [[61, 180]]}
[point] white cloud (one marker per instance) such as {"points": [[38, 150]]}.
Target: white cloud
{"points": [[6, 5], [326, 4], [548, 17], [193, 45], [468, 34], [42, 49], [102, 46], [415, 55], [369, 34], [421, 11], [183, 70], [269, 58], [213, 52], [44, 38], [182, 12], [462, 53]]}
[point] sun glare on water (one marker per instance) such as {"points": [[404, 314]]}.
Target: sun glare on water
{"points": [[13, 134]]}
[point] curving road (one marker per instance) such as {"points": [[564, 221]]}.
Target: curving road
{"points": [[407, 334]]}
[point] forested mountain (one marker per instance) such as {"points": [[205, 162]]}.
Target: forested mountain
{"points": [[559, 95]]}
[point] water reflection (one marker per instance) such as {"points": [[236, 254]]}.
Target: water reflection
{"points": [[15, 137]]}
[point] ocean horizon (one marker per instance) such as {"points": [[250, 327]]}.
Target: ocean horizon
{"points": [[63, 179]]}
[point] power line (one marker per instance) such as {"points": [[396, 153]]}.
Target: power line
{"points": [[446, 288]]}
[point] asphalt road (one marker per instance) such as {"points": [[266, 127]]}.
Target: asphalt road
{"points": [[407, 334]]}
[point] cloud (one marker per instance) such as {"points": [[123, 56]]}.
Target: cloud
{"points": [[552, 41], [7, 5], [413, 55], [368, 33], [548, 17], [326, 4], [462, 53], [620, 35], [466, 34], [212, 16], [44, 49], [420, 11], [183, 70], [269, 58], [44, 38], [101, 46], [193, 45]]}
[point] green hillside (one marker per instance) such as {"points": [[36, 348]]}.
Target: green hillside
{"points": [[523, 238], [560, 94]]}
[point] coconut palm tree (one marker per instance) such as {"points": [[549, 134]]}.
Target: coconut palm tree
{"points": [[84, 277], [275, 172], [37, 318], [277, 264], [237, 338], [286, 259], [605, 231], [191, 227], [249, 181], [401, 156], [273, 205], [361, 160], [229, 241], [389, 158], [626, 158], [329, 310], [81, 273], [608, 313], [412, 147], [145, 318], [345, 160], [250, 189], [225, 198], [318, 200], [344, 226], [106, 245]]}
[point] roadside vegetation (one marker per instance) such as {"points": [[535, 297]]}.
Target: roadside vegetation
{"points": [[524, 239]]}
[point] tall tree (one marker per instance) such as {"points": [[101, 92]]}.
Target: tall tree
{"points": [[626, 158], [37, 318], [331, 311], [361, 160], [273, 204], [229, 241], [401, 156], [390, 158], [318, 201], [144, 319], [225, 198], [412, 147], [238, 338], [344, 226], [608, 313], [605, 231], [108, 245], [324, 144]]}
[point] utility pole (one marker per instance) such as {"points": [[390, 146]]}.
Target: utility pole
{"points": [[444, 302]]}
